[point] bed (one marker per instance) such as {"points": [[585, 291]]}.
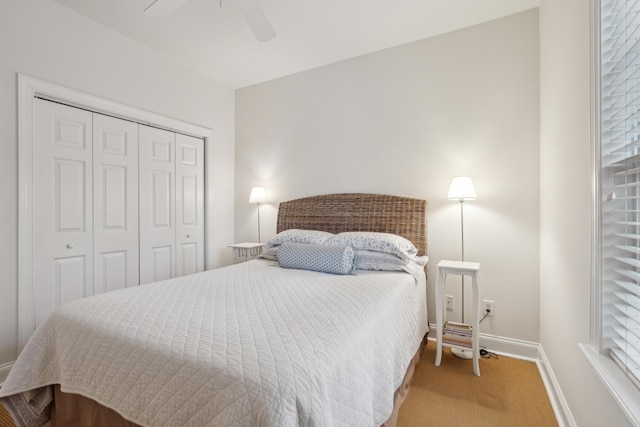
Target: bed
{"points": [[252, 344]]}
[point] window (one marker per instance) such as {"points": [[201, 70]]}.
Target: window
{"points": [[619, 183]]}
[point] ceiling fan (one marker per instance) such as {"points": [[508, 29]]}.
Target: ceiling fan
{"points": [[251, 10]]}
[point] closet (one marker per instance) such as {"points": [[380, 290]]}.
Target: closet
{"points": [[115, 204]]}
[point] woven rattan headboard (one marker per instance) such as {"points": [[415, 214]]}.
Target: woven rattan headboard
{"points": [[337, 213]]}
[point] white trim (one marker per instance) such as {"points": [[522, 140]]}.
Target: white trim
{"points": [[28, 88], [5, 368], [517, 349], [624, 392], [558, 402], [79, 99], [595, 212], [26, 320]]}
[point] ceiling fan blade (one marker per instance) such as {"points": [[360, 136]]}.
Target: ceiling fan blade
{"points": [[257, 20], [163, 7]]}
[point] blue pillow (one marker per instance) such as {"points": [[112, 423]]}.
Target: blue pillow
{"points": [[327, 259]]}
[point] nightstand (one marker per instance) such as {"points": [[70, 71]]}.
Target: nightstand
{"points": [[245, 251], [458, 335]]}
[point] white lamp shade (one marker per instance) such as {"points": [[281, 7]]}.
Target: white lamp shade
{"points": [[461, 189], [257, 195]]}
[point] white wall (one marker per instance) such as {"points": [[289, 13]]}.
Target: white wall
{"points": [[564, 209], [42, 39], [404, 121]]}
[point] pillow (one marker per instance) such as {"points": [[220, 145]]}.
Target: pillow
{"points": [[379, 242], [269, 254], [379, 261], [415, 267], [372, 260], [299, 236], [327, 259]]}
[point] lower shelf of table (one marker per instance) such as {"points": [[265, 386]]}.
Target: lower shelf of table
{"points": [[457, 343]]}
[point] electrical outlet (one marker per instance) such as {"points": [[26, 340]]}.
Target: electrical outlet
{"points": [[490, 306], [449, 301]]}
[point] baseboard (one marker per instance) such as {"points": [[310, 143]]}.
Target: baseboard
{"points": [[558, 402], [533, 352], [4, 371], [518, 349]]}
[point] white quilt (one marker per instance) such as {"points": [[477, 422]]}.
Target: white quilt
{"points": [[247, 345]]}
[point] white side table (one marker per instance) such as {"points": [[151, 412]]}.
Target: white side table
{"points": [[463, 269], [245, 251]]}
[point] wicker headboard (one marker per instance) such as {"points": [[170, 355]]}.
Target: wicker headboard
{"points": [[337, 213]]}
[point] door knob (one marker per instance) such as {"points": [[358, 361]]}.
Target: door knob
{"points": [[188, 235], [69, 245]]}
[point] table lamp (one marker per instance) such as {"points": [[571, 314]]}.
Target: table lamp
{"points": [[257, 196]]}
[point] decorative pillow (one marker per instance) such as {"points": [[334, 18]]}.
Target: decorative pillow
{"points": [[328, 259], [379, 242], [299, 236]]}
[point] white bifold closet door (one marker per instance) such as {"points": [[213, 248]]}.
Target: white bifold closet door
{"points": [[189, 204], [171, 204], [157, 204], [115, 204], [62, 206], [85, 204]]}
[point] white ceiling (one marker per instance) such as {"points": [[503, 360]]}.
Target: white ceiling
{"points": [[218, 42]]}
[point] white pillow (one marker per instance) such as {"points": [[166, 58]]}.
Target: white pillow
{"points": [[380, 261], [379, 242], [299, 236], [372, 260], [269, 254]]}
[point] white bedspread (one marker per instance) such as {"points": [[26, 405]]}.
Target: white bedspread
{"points": [[247, 345]]}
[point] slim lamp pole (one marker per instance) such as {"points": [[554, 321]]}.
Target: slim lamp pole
{"points": [[461, 189], [259, 223], [462, 235], [257, 196]]}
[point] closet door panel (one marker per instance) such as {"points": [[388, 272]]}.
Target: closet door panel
{"points": [[62, 206], [114, 271], [115, 197], [189, 204], [157, 204]]}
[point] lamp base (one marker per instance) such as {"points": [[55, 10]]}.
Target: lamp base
{"points": [[462, 353]]}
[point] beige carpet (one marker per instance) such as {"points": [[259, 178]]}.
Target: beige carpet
{"points": [[508, 392]]}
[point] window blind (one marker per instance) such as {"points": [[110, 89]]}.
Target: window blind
{"points": [[620, 182]]}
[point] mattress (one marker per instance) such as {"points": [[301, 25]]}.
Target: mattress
{"points": [[251, 344]]}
